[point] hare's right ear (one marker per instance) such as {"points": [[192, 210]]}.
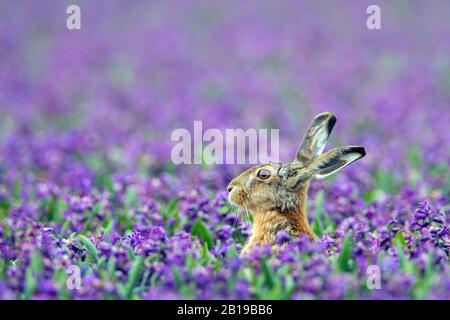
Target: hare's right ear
{"points": [[317, 135], [334, 160]]}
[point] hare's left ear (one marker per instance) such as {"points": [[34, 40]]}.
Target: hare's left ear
{"points": [[334, 160], [317, 135]]}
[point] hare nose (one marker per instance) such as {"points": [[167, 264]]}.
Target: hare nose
{"points": [[229, 188]]}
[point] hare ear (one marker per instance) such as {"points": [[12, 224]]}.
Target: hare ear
{"points": [[317, 135], [334, 160]]}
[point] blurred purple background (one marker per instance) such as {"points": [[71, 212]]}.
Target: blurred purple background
{"points": [[138, 70]]}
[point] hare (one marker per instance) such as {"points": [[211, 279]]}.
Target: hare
{"points": [[276, 193]]}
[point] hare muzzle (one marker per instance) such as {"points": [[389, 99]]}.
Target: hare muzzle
{"points": [[236, 194]]}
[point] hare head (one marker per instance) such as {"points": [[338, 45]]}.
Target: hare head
{"points": [[276, 193]]}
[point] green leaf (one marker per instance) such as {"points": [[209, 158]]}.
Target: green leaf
{"points": [[66, 225], [59, 278], [36, 262], [6, 231], [289, 287], [400, 239], [55, 208], [145, 279], [205, 253], [373, 195], [224, 209], [200, 230], [384, 180], [108, 226], [275, 293], [4, 209], [30, 283], [122, 289], [3, 268], [16, 191], [190, 262], [284, 270], [414, 176], [131, 254], [178, 278], [106, 182], [268, 274], [405, 265], [111, 267], [343, 261], [329, 225], [131, 198], [134, 274], [414, 156], [89, 247], [86, 265], [232, 252], [170, 209], [429, 268], [102, 262], [401, 244], [124, 220], [318, 212]]}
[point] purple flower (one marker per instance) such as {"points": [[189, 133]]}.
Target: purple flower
{"points": [[225, 232], [282, 237]]}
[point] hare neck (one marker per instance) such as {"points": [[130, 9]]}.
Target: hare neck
{"points": [[267, 223]]}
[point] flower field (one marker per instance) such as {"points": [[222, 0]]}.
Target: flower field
{"points": [[92, 207]]}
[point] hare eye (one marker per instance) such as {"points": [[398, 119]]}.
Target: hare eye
{"points": [[263, 174]]}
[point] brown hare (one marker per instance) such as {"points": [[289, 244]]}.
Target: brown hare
{"points": [[276, 193]]}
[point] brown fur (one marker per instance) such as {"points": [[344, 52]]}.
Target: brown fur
{"points": [[267, 219], [279, 201]]}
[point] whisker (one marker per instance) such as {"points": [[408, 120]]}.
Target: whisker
{"points": [[247, 219], [237, 218], [243, 216], [240, 215]]}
